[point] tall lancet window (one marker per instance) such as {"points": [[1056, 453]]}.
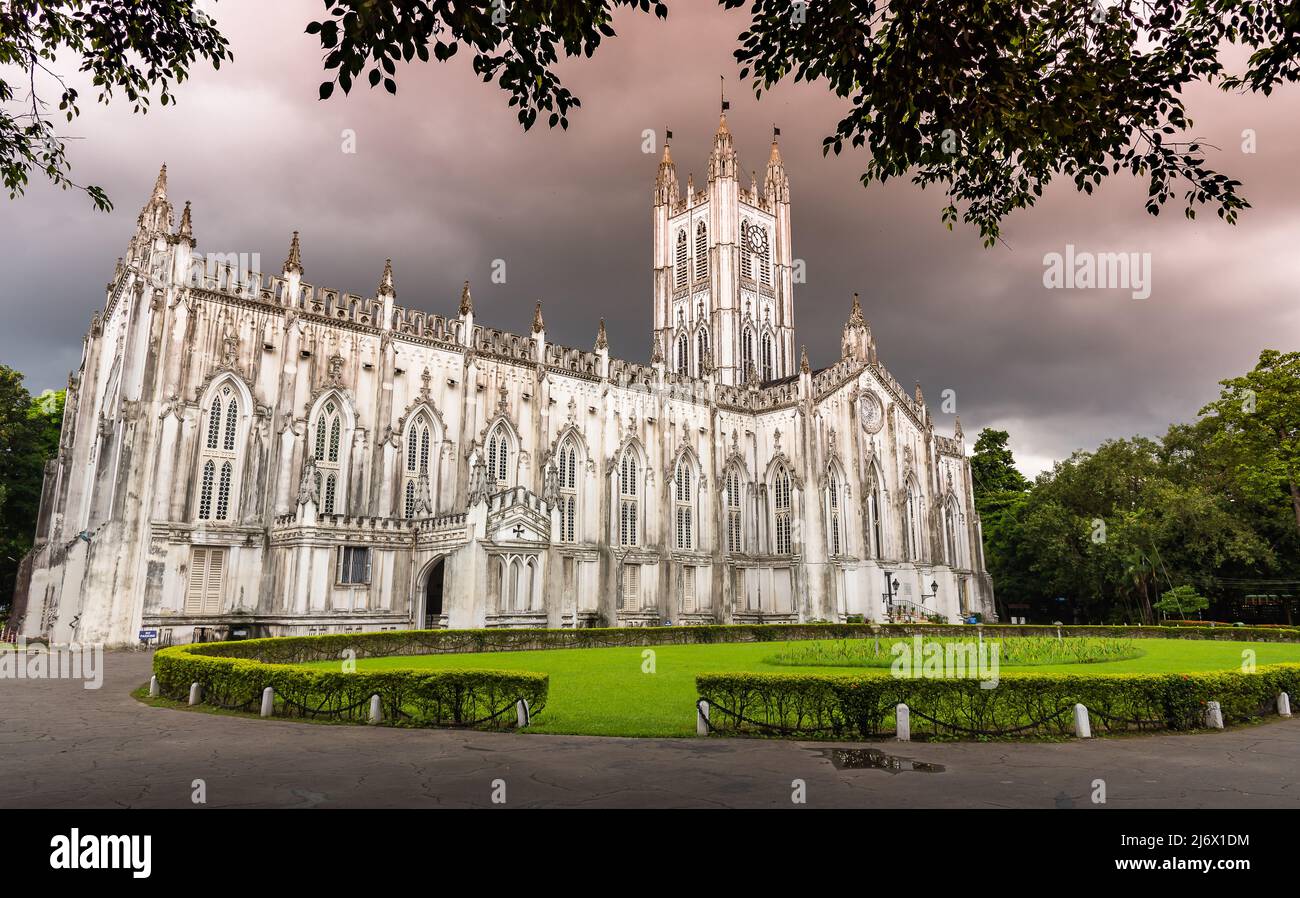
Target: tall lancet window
{"points": [[683, 355], [220, 457], [701, 350], [329, 440], [746, 254], [682, 275], [911, 509], [769, 367], [629, 501], [747, 352], [782, 506], [834, 518], [419, 436], [568, 491], [701, 252], [684, 504], [875, 527], [498, 457], [735, 521], [950, 533], [765, 264]]}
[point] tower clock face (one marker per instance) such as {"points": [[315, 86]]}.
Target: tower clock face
{"points": [[870, 412], [757, 238]]}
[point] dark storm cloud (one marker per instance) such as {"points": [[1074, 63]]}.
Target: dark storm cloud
{"points": [[444, 181]]}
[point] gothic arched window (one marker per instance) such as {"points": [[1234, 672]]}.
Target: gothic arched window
{"points": [[629, 501], [329, 445], [220, 457], [769, 369], [950, 532], [835, 506], [911, 511], [499, 449], [781, 506], [683, 355], [701, 252], [874, 525], [746, 254], [682, 275], [746, 353], [702, 349], [568, 459], [735, 518], [684, 503], [419, 437]]}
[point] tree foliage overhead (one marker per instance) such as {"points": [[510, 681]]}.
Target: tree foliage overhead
{"points": [[131, 46], [987, 99]]}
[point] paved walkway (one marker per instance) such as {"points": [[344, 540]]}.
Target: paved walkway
{"points": [[65, 746]]}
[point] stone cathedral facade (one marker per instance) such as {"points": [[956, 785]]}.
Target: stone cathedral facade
{"points": [[250, 454]]}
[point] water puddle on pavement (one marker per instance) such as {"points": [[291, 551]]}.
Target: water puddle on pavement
{"points": [[875, 759]]}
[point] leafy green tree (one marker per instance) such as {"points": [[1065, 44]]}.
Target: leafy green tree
{"points": [[132, 46], [1182, 601], [993, 466], [1259, 415], [988, 100], [29, 435], [999, 499]]}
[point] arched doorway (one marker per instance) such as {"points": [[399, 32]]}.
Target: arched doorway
{"points": [[433, 611]]}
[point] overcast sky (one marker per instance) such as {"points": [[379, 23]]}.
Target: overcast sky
{"points": [[444, 181]]}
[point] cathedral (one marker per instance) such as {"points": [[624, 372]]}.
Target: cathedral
{"points": [[245, 454]]}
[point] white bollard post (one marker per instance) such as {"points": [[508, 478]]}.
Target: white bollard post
{"points": [[903, 716], [1283, 704], [268, 701], [1213, 716], [702, 719], [1082, 725], [196, 693], [376, 711], [523, 717], [153, 687]]}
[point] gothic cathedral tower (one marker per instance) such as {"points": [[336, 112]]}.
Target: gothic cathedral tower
{"points": [[723, 270]]}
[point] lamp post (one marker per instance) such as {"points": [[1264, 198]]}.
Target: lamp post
{"points": [[933, 593]]}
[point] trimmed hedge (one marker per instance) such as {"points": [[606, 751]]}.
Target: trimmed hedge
{"points": [[814, 706], [300, 649], [465, 698]]}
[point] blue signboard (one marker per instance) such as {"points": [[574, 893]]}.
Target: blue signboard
{"points": [[148, 635]]}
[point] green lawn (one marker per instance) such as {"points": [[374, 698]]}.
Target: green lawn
{"points": [[603, 692]]}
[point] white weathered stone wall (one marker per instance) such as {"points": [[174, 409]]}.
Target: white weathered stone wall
{"points": [[120, 516]]}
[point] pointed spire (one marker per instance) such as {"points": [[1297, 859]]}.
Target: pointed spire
{"points": [[293, 264], [776, 184], [156, 216], [855, 315], [920, 397], [722, 159], [187, 224], [160, 185], [386, 282], [957, 431], [602, 339], [804, 367], [538, 324], [656, 351], [466, 303], [667, 188]]}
